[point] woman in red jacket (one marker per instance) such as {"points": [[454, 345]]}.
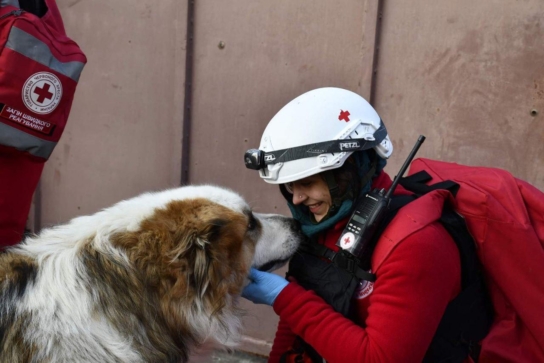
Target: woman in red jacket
{"points": [[326, 148]]}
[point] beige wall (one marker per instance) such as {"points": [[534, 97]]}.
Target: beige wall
{"points": [[466, 74], [124, 132]]}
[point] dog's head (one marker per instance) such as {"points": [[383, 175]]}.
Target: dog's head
{"points": [[193, 246]]}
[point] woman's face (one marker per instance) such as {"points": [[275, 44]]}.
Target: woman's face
{"points": [[314, 193]]}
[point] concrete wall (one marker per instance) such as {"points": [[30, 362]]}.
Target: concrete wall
{"points": [[466, 74]]}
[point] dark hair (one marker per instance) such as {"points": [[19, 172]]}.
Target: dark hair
{"points": [[347, 180]]}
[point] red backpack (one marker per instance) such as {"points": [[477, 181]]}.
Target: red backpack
{"points": [[505, 217], [39, 70]]}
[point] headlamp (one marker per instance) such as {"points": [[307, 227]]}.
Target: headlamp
{"points": [[254, 159]]}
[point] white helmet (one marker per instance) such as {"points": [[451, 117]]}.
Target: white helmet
{"points": [[317, 131]]}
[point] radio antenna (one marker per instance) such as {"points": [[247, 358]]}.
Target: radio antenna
{"points": [[405, 166]]}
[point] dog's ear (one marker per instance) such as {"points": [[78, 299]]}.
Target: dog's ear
{"points": [[195, 247]]}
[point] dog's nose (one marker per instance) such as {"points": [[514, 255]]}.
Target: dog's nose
{"points": [[295, 225], [296, 229]]}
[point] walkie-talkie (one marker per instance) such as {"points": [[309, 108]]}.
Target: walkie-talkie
{"points": [[369, 213]]}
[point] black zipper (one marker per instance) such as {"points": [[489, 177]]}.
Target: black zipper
{"points": [[17, 12]]}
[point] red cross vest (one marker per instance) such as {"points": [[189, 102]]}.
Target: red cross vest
{"points": [[39, 70]]}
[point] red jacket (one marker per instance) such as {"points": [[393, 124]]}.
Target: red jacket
{"points": [[397, 316]]}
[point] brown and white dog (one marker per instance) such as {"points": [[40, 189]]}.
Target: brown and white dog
{"points": [[146, 280]]}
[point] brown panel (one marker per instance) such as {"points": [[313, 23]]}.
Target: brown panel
{"points": [[467, 75], [124, 133], [272, 51]]}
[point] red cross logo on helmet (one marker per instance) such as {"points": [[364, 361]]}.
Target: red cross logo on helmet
{"points": [[344, 116]]}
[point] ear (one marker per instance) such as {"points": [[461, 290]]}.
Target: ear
{"points": [[196, 248]]}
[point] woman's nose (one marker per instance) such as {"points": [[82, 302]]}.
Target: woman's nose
{"points": [[298, 196]]}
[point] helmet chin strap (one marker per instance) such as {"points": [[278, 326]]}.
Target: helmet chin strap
{"points": [[334, 190]]}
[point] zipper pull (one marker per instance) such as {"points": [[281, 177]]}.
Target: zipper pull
{"points": [[17, 12]]}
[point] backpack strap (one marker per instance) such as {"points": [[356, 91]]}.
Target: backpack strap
{"points": [[416, 184], [469, 316]]}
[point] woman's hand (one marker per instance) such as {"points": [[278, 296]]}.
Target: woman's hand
{"points": [[264, 287]]}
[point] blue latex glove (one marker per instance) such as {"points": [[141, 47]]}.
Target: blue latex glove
{"points": [[264, 287]]}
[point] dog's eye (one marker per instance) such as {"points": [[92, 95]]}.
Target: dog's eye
{"points": [[252, 224]]}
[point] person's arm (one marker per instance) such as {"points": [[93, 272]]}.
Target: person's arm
{"points": [[413, 287]]}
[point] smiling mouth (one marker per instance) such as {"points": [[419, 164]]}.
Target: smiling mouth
{"points": [[314, 206]]}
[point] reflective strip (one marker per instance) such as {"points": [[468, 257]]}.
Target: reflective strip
{"points": [[33, 48], [10, 2], [22, 141]]}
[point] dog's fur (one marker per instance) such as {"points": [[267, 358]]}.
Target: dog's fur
{"points": [[146, 280]]}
